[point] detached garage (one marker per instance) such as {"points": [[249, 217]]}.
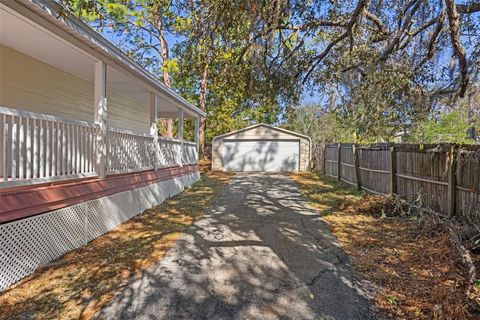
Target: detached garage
{"points": [[262, 148]]}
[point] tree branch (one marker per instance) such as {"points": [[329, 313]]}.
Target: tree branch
{"points": [[434, 37], [361, 5], [402, 26], [370, 16], [309, 25], [468, 8], [459, 50]]}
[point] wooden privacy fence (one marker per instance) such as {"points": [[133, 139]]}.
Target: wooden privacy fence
{"points": [[446, 177], [318, 157]]}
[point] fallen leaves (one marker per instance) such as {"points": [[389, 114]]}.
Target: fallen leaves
{"points": [[416, 272], [82, 281]]}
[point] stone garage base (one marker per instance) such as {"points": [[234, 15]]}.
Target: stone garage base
{"points": [[29, 243]]}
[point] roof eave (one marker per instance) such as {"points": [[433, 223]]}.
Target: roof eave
{"points": [[49, 10], [258, 125]]}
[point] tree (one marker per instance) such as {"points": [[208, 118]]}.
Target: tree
{"points": [[231, 91], [448, 127], [211, 35], [141, 28], [382, 102], [316, 122], [384, 65], [385, 31]]}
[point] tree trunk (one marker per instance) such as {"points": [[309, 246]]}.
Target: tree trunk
{"points": [[165, 58], [458, 48], [203, 105]]}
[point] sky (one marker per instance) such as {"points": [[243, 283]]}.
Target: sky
{"points": [[309, 95]]}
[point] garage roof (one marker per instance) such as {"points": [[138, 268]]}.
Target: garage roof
{"points": [[262, 125]]}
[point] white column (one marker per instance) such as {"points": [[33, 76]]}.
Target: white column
{"points": [[100, 116], [197, 128], [180, 124], [197, 140], [180, 133], [154, 127], [153, 112]]}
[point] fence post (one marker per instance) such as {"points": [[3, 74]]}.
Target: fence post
{"points": [[355, 165], [339, 161], [451, 182], [393, 170]]}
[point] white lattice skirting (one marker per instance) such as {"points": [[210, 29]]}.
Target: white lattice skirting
{"points": [[30, 243]]}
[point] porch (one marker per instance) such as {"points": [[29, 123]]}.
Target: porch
{"points": [[80, 146], [73, 106], [38, 148]]}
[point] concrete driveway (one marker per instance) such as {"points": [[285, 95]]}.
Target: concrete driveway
{"points": [[260, 253]]}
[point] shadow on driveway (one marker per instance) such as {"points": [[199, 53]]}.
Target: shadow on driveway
{"points": [[260, 252]]}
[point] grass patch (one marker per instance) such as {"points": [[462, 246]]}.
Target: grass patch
{"points": [[417, 273], [81, 282], [325, 193]]}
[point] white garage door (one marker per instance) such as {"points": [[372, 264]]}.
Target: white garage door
{"points": [[261, 155]]}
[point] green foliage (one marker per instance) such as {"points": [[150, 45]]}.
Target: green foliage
{"points": [[215, 33], [249, 61], [392, 300], [171, 66], [209, 35], [315, 122], [476, 283], [372, 106], [448, 127]]}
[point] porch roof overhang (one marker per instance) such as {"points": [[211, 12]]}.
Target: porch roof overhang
{"points": [[81, 45]]}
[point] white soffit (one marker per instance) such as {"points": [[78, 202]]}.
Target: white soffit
{"points": [[21, 34]]}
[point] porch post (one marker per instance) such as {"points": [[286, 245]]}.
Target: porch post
{"points": [[180, 134], [197, 128], [180, 124], [154, 127], [100, 116], [153, 110]]}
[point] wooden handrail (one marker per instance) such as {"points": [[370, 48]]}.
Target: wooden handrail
{"points": [[45, 117]]}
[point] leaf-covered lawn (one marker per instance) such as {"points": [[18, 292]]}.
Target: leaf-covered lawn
{"points": [[414, 273], [81, 282]]}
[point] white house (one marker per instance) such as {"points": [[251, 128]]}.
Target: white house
{"points": [[78, 155]]}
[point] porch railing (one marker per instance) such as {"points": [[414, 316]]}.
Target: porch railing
{"points": [[169, 152], [129, 151], [190, 153], [36, 148]]}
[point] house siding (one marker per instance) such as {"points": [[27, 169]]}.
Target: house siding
{"points": [[260, 132], [32, 85]]}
